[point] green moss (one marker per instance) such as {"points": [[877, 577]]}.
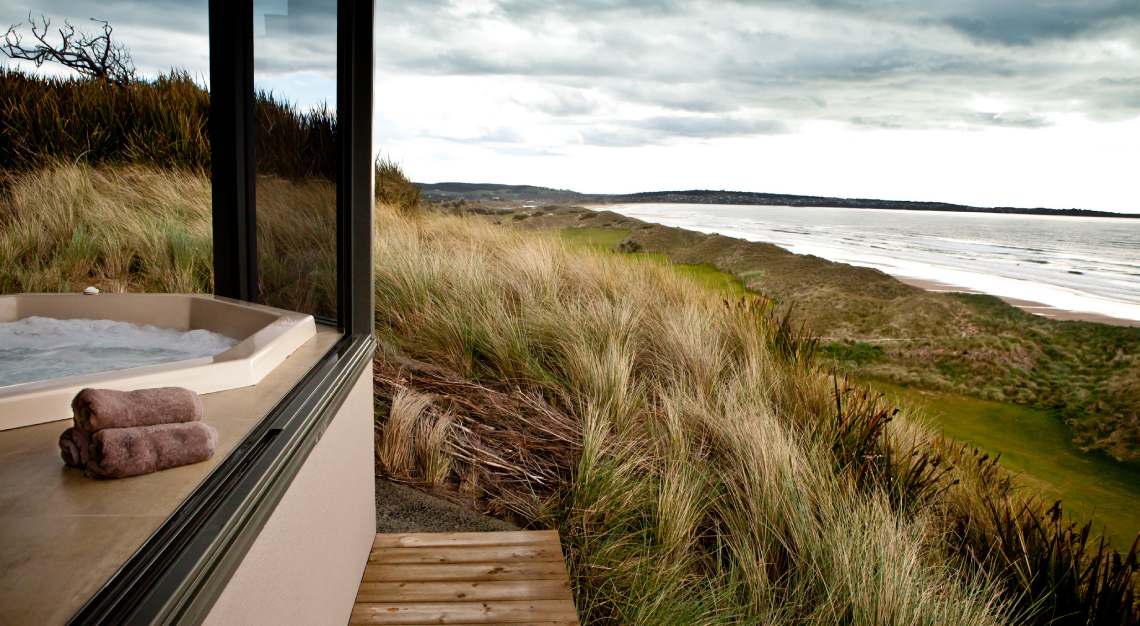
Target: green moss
{"points": [[601, 238], [711, 277], [705, 274]]}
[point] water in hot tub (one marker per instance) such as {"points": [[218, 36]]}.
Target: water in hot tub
{"points": [[39, 348]]}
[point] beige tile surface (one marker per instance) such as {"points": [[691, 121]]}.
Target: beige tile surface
{"points": [[62, 535]]}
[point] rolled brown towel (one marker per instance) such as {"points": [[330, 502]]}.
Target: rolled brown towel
{"points": [[96, 409], [122, 452], [74, 446]]}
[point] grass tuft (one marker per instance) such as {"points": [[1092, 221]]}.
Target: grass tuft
{"points": [[396, 450]]}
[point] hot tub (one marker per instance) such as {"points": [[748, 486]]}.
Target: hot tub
{"points": [[265, 337]]}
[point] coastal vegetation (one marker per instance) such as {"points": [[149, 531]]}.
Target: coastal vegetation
{"points": [[870, 324], [1033, 443], [699, 457]]}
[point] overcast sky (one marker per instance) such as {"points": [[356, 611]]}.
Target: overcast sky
{"points": [[978, 101], [1010, 102]]}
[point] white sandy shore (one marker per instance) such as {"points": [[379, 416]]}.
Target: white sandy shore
{"points": [[1035, 308]]}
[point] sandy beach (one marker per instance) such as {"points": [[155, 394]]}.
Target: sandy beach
{"points": [[1035, 308]]}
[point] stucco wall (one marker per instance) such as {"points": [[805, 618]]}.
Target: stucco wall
{"points": [[306, 565]]}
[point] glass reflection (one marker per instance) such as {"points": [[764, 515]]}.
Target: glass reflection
{"points": [[104, 149], [295, 77]]}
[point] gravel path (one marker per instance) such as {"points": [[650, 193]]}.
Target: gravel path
{"points": [[401, 509]]}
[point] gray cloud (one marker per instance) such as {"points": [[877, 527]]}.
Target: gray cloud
{"points": [[664, 129], [562, 103], [1006, 22], [500, 135], [1026, 23], [710, 126], [1012, 119]]}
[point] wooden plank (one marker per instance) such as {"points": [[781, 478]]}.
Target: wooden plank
{"points": [[504, 538], [514, 578], [467, 554], [518, 624], [546, 570], [493, 612], [464, 591], [526, 623]]}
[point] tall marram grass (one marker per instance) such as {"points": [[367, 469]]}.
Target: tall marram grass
{"points": [[700, 466]]}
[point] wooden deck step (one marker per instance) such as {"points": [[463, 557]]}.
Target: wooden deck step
{"points": [[465, 578]]}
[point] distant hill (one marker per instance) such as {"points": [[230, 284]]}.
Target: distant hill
{"points": [[489, 192]]}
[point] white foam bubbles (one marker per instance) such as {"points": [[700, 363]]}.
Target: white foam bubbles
{"points": [[40, 348]]}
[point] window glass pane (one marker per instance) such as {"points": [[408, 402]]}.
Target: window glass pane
{"points": [[295, 78], [104, 166]]}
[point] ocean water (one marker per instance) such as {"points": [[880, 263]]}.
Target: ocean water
{"points": [[40, 348], [1085, 264]]}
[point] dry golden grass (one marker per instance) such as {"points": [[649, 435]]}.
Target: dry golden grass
{"points": [[706, 489], [433, 456], [395, 449], [130, 229]]}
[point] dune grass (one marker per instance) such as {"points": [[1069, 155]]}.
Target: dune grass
{"points": [[1088, 374], [1032, 443], [699, 464]]}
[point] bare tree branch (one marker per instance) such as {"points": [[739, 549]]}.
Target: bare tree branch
{"points": [[95, 56]]}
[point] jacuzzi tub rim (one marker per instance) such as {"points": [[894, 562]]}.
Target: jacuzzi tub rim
{"points": [[265, 344]]}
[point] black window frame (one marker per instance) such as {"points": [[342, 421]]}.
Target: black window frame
{"points": [[179, 572]]}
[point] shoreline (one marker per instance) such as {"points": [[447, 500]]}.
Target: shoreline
{"points": [[1039, 309], [1029, 306]]}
